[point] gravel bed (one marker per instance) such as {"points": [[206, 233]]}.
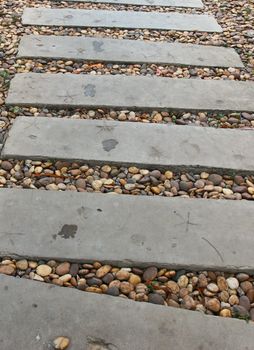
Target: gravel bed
{"points": [[236, 17], [64, 176], [209, 292]]}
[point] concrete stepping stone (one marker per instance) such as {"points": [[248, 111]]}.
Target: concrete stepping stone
{"points": [[166, 3], [103, 322], [194, 234], [130, 51], [130, 92], [120, 19], [128, 143]]}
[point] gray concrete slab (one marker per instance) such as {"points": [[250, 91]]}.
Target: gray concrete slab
{"points": [[130, 92], [126, 51], [33, 314], [120, 19], [194, 234], [166, 3], [128, 143]]}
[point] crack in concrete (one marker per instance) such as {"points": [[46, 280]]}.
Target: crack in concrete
{"points": [[217, 251]]}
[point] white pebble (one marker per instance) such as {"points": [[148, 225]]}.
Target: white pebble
{"points": [[232, 283]]}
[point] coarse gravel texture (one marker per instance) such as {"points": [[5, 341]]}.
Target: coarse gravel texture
{"points": [[210, 292], [64, 176], [236, 18]]}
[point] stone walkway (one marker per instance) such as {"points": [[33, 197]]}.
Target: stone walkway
{"points": [[183, 234]]}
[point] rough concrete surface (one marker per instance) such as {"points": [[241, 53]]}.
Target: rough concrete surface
{"points": [[149, 145], [128, 230], [130, 92], [120, 19], [130, 51], [166, 3]]}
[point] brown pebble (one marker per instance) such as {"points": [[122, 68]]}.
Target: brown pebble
{"points": [[173, 287], [246, 285], [43, 270], [126, 287], [63, 268], [65, 278], [122, 275], [222, 283], [57, 282], [172, 303], [225, 313], [183, 292], [250, 295], [102, 271], [6, 165], [97, 265], [242, 277], [150, 273], [188, 303], [61, 343], [137, 271], [115, 283], [22, 264], [94, 290], [213, 304], [233, 300], [202, 281], [224, 296], [134, 279], [7, 269]]}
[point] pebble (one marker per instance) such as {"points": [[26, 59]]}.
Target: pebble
{"points": [[61, 343], [213, 304], [212, 287], [233, 300], [215, 178], [22, 265], [6, 165], [188, 303], [43, 270], [232, 283], [94, 281], [65, 278], [134, 279], [241, 277], [113, 291], [97, 184], [126, 287], [122, 275], [155, 299], [150, 273], [202, 281], [222, 283], [250, 295], [63, 268], [245, 302], [7, 269], [225, 313], [173, 287], [108, 278], [239, 311], [183, 281], [102, 271]]}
